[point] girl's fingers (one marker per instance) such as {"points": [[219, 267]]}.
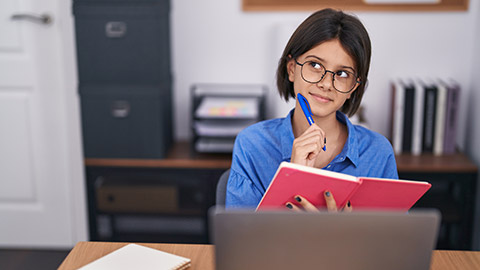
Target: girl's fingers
{"points": [[292, 206], [331, 204], [305, 204], [348, 207]]}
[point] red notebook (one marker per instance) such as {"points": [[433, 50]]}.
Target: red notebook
{"points": [[362, 192]]}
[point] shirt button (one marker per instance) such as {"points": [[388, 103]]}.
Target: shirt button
{"points": [[328, 167]]}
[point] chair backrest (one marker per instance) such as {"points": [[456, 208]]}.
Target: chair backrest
{"points": [[222, 188]]}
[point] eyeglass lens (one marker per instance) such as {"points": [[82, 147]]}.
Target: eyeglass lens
{"points": [[343, 81]]}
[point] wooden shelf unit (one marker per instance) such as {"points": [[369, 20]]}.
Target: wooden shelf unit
{"points": [[453, 178]]}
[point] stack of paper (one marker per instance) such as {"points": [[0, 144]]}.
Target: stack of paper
{"points": [[227, 107]]}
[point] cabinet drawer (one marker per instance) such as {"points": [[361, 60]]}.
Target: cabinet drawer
{"points": [[138, 199]]}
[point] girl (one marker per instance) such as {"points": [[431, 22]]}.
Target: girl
{"points": [[326, 60]]}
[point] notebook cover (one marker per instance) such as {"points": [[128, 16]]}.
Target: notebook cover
{"points": [[388, 194], [293, 179], [363, 193]]}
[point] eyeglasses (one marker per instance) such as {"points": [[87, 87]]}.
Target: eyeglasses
{"points": [[313, 72]]}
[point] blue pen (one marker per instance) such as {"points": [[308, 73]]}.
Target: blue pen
{"points": [[308, 114]]}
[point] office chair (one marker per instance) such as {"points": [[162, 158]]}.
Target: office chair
{"points": [[222, 188]]}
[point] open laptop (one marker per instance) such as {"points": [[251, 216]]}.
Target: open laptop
{"points": [[290, 240]]}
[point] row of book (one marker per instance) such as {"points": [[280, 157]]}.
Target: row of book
{"points": [[424, 114]]}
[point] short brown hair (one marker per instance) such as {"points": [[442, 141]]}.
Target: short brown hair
{"points": [[321, 26]]}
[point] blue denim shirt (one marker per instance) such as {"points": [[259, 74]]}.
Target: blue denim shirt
{"points": [[259, 149]]}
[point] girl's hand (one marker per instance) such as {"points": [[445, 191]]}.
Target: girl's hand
{"points": [[307, 206], [306, 148]]}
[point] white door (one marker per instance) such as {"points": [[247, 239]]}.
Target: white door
{"points": [[42, 194]]}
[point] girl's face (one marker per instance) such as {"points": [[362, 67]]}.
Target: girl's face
{"points": [[322, 96]]}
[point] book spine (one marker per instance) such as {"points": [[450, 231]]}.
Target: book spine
{"points": [[429, 119], [397, 126], [451, 118], [349, 197], [418, 119], [440, 119], [408, 118]]}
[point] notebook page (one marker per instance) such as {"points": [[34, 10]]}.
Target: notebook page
{"points": [[133, 256]]}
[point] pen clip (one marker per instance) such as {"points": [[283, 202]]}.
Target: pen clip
{"points": [[305, 108], [304, 103]]}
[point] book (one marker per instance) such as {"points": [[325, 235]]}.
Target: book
{"points": [[364, 193], [133, 256], [398, 99], [453, 98], [440, 113], [408, 118], [429, 118], [418, 118]]}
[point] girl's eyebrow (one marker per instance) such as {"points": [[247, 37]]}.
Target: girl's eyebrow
{"points": [[321, 60]]}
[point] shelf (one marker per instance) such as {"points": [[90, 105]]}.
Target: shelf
{"points": [[429, 163], [357, 5], [180, 156]]}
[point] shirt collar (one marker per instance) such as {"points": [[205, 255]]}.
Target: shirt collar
{"points": [[350, 150]]}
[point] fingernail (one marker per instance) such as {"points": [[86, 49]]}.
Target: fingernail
{"points": [[348, 203], [298, 199], [289, 205], [327, 193]]}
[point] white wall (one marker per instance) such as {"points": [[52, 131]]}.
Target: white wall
{"points": [[214, 41]]}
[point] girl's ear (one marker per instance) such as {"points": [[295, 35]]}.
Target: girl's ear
{"points": [[354, 89], [291, 68]]}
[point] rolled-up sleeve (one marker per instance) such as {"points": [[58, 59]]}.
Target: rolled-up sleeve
{"points": [[390, 170], [241, 192]]}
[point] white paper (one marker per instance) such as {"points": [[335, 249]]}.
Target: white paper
{"points": [[133, 256], [214, 145], [221, 128]]}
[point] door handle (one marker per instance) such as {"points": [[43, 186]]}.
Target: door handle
{"points": [[42, 19]]}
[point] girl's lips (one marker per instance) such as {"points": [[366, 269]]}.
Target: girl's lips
{"points": [[320, 98]]}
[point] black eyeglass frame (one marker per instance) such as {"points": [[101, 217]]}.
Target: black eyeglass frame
{"points": [[323, 76]]}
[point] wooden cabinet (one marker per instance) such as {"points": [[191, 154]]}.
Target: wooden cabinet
{"points": [[163, 200], [453, 192], [123, 195]]}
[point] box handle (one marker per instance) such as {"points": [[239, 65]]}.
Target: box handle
{"points": [[120, 108], [115, 29]]}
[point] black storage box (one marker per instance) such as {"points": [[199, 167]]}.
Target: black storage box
{"points": [[126, 122], [122, 42], [123, 55]]}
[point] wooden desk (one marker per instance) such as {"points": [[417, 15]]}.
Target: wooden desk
{"points": [[202, 256]]}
